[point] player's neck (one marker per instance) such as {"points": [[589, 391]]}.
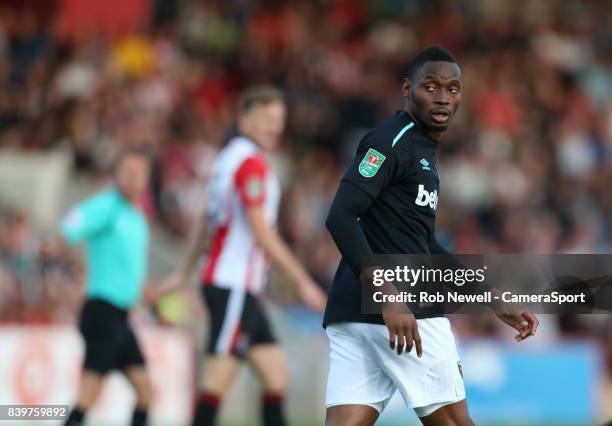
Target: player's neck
{"points": [[134, 201], [431, 133], [249, 136], [435, 135]]}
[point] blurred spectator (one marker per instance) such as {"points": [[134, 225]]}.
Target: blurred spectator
{"points": [[40, 282], [526, 166]]}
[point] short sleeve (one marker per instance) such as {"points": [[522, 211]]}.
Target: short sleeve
{"points": [[374, 166], [250, 181], [89, 217]]}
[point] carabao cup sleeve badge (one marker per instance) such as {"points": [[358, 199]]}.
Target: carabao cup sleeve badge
{"points": [[371, 163]]}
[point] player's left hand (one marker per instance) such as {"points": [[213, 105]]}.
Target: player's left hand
{"points": [[312, 295], [520, 318]]}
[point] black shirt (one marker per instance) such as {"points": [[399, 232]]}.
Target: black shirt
{"points": [[386, 204]]}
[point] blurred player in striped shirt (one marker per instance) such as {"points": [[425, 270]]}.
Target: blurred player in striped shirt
{"points": [[244, 194]]}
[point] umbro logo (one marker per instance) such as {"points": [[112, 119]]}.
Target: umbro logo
{"points": [[425, 164]]}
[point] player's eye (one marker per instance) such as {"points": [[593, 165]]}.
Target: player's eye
{"points": [[454, 90], [429, 87]]}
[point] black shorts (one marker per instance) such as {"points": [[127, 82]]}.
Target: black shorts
{"points": [[110, 343], [237, 322]]}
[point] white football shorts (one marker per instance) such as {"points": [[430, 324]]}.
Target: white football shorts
{"points": [[364, 370]]}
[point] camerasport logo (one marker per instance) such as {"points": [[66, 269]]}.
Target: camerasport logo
{"points": [[371, 163]]}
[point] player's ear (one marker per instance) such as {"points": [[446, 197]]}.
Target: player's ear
{"points": [[407, 88]]}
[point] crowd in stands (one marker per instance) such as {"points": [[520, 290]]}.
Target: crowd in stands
{"points": [[525, 168]]}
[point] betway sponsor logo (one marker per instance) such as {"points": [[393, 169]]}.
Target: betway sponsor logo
{"points": [[426, 198]]}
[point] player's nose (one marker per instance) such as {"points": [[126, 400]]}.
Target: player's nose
{"points": [[442, 99]]}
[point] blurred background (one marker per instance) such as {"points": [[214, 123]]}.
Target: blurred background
{"points": [[526, 168]]}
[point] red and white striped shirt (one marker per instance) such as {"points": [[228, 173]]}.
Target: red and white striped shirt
{"points": [[241, 178]]}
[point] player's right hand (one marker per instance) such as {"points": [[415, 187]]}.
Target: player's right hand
{"points": [[403, 328]]}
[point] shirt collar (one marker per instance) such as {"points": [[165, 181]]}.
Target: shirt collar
{"points": [[418, 127]]}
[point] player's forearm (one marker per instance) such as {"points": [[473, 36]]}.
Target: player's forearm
{"points": [[387, 288], [273, 245], [194, 250], [281, 256], [343, 224]]}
